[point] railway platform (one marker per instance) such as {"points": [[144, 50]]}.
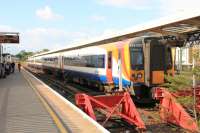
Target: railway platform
{"points": [[28, 105]]}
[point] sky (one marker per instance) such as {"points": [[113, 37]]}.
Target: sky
{"points": [[54, 24]]}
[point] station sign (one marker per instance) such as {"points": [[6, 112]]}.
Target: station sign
{"points": [[9, 38]]}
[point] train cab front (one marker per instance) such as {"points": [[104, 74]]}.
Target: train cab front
{"points": [[150, 61]]}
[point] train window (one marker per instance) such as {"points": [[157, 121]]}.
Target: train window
{"points": [[67, 61], [101, 61], [96, 61], [88, 61], [136, 58], [56, 60], [157, 56], [169, 58], [109, 60], [93, 61], [50, 60]]}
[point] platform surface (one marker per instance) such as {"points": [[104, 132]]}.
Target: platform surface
{"points": [[74, 120], [21, 110]]}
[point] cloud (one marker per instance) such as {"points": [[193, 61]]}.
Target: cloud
{"points": [[51, 38], [109, 32], [133, 4], [179, 6], [7, 28], [117, 3], [98, 18], [38, 38], [46, 13], [161, 6]]}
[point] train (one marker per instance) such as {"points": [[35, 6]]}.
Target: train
{"points": [[138, 64], [6, 67]]}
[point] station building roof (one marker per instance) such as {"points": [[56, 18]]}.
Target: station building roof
{"points": [[183, 26]]}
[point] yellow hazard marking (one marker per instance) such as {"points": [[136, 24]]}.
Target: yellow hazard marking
{"points": [[55, 118]]}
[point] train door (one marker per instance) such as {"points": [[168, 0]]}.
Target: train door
{"points": [[109, 68], [120, 70], [61, 62], [157, 59], [154, 62], [146, 49]]}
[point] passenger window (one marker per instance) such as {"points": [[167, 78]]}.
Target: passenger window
{"points": [[101, 61], [95, 61]]}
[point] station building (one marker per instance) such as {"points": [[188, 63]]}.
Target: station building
{"points": [[185, 57]]}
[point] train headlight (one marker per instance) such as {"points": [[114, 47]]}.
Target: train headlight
{"points": [[139, 75], [134, 76]]}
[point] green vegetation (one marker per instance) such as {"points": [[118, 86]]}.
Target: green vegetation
{"points": [[42, 51], [196, 69], [182, 81], [186, 101], [23, 55]]}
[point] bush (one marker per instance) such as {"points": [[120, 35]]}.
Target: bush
{"points": [[178, 82], [186, 101]]}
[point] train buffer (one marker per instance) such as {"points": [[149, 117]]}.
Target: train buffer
{"points": [[171, 111], [28, 105]]}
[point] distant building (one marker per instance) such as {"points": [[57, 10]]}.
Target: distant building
{"points": [[9, 58], [186, 59]]}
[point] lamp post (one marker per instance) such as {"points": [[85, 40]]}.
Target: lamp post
{"points": [[1, 52]]}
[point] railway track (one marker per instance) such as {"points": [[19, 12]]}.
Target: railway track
{"points": [[115, 125], [154, 124], [67, 90]]}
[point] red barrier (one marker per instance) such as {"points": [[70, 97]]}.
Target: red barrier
{"points": [[189, 92], [173, 112], [120, 105], [198, 98]]}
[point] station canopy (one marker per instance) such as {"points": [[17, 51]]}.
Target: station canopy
{"points": [[182, 28], [9, 37]]}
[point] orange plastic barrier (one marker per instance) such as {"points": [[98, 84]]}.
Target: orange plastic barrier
{"points": [[120, 105], [173, 112]]}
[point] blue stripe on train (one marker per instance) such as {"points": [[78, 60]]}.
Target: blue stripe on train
{"points": [[95, 77], [124, 82], [89, 76]]}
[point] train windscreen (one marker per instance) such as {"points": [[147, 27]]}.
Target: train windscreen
{"points": [[137, 58]]}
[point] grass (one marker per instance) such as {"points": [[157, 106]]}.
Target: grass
{"points": [[186, 101], [182, 81]]}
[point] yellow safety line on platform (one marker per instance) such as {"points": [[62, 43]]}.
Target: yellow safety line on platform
{"points": [[55, 118]]}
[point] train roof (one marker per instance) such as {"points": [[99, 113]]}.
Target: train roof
{"points": [[181, 26]]}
